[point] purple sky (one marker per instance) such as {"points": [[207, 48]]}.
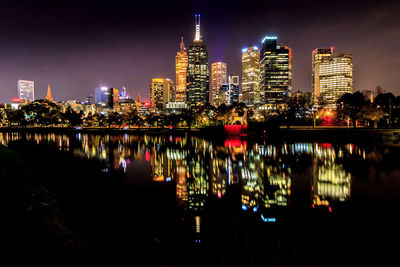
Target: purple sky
{"points": [[73, 45]]}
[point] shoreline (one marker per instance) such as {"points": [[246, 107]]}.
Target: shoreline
{"points": [[340, 133]]}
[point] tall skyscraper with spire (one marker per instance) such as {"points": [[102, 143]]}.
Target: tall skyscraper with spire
{"points": [[198, 73], [181, 65], [48, 95]]}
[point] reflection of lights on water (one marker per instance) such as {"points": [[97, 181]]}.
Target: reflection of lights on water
{"points": [[268, 219], [197, 220]]}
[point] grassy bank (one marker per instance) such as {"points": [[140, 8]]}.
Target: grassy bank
{"points": [[32, 226]]}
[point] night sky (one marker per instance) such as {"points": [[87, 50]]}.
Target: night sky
{"points": [[76, 45]]}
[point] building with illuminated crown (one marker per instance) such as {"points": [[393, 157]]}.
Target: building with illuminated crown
{"points": [[251, 75], [26, 90], [233, 89], [332, 75], [161, 92], [275, 73], [181, 65], [218, 78], [198, 73]]}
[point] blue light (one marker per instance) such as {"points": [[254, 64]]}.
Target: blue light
{"points": [[168, 179], [255, 47], [269, 38], [255, 209], [244, 207], [268, 219], [244, 50], [283, 165]]}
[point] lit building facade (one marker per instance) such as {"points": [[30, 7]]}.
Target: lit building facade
{"points": [[251, 75], [233, 89], [26, 90], [198, 74], [161, 92], [275, 73], [218, 78], [332, 75], [106, 97], [181, 65]]}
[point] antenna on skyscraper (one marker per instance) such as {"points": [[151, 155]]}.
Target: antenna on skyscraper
{"points": [[197, 37]]}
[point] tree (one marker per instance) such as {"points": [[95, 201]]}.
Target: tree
{"points": [[350, 106], [114, 118], [386, 102], [373, 113], [16, 116], [297, 108], [73, 118]]}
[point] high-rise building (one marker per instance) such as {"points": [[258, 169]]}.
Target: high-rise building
{"points": [[113, 97], [332, 75], [251, 75], [233, 89], [275, 73], [198, 74], [89, 99], [26, 90], [101, 96], [218, 78], [181, 65], [223, 95], [161, 92], [106, 97]]}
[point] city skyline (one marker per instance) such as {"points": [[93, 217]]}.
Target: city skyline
{"points": [[70, 61]]}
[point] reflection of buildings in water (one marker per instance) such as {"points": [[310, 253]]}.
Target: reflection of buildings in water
{"points": [[197, 180], [181, 185], [330, 181], [252, 181], [277, 186], [259, 169], [218, 177]]}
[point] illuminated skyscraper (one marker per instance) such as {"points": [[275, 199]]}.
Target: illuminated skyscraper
{"points": [[161, 92], [251, 75], [332, 75], [181, 65], [275, 73], [26, 90], [198, 74], [106, 97], [233, 89], [218, 78]]}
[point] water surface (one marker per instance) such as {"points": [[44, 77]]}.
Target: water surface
{"points": [[189, 201]]}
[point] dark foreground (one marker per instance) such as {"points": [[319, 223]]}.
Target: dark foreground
{"points": [[61, 209]]}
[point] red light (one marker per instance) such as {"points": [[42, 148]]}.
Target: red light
{"points": [[233, 129], [16, 100], [233, 143], [330, 209], [148, 156], [147, 104], [313, 206]]}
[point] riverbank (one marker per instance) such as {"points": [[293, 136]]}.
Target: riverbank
{"points": [[33, 230], [295, 133]]}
